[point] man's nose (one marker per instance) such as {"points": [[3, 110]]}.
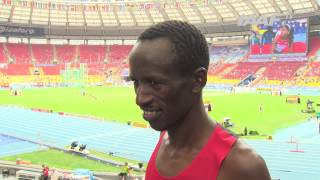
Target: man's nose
{"points": [[143, 96]]}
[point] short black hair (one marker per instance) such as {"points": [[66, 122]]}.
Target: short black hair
{"points": [[191, 48]]}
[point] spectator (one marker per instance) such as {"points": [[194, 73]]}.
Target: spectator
{"points": [[245, 131], [45, 172], [260, 108], [125, 170]]}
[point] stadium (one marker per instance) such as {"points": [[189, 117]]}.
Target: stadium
{"points": [[67, 102]]}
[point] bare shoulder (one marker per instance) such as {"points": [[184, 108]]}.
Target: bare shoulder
{"points": [[243, 163]]}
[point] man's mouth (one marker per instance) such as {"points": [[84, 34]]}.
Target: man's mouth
{"points": [[151, 114]]}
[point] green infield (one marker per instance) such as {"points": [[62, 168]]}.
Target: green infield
{"points": [[259, 112], [118, 104], [71, 162], [65, 161]]}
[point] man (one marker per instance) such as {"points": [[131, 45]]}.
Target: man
{"points": [[45, 172], [169, 67], [124, 173], [260, 108]]}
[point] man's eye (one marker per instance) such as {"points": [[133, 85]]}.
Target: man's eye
{"points": [[153, 83]]}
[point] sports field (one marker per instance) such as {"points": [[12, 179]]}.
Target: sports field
{"points": [[118, 104]]}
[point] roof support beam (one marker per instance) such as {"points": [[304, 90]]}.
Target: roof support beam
{"points": [[233, 10], [11, 13], [181, 13], [288, 6], [31, 12], [115, 12], [251, 5], [133, 17], [275, 6], [164, 13], [195, 8], [100, 17], [149, 16], [314, 5], [84, 17], [215, 11]]}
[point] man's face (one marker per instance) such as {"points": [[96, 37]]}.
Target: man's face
{"points": [[164, 96]]}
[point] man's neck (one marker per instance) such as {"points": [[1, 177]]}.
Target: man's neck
{"points": [[193, 130]]}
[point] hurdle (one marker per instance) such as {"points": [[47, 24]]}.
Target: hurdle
{"points": [[297, 149]]}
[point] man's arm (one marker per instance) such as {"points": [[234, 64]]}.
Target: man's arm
{"points": [[243, 164]]}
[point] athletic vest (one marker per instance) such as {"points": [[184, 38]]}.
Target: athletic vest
{"points": [[205, 166]]}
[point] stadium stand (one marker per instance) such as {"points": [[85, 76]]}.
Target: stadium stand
{"points": [[43, 54], [18, 69], [228, 54], [315, 69], [92, 54], [66, 53], [220, 69], [314, 53], [52, 70], [20, 53], [118, 53], [244, 69], [3, 58], [94, 69], [283, 70]]}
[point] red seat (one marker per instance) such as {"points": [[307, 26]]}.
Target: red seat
{"points": [[43, 54]]}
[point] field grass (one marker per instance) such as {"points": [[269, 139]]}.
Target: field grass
{"points": [[118, 104], [109, 103], [71, 162], [243, 109], [60, 160]]}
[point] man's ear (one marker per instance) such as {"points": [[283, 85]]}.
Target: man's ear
{"points": [[200, 79]]}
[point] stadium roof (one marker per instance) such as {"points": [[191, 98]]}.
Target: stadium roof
{"points": [[212, 16]]}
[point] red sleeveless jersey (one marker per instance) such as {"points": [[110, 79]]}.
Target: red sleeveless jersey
{"points": [[205, 166]]}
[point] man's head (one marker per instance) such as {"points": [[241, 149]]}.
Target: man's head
{"points": [[169, 69], [189, 44]]}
